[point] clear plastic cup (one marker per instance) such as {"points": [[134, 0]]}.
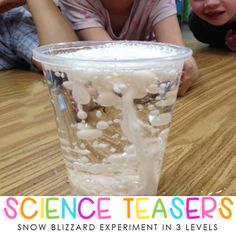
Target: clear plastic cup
{"points": [[113, 103]]}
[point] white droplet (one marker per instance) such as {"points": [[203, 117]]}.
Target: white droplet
{"points": [[89, 134], [162, 119], [64, 141], [153, 88], [103, 145], [57, 74], [62, 75], [164, 103], [116, 121], [82, 115], [153, 130], [112, 150], [130, 149], [84, 152], [119, 88], [115, 136], [162, 89], [80, 94], [82, 145], [107, 99], [98, 114], [95, 144], [80, 75], [81, 151], [68, 85], [110, 122], [140, 107], [154, 113], [151, 107], [102, 125], [170, 98], [171, 94], [80, 126]]}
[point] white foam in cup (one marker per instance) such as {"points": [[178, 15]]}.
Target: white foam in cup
{"points": [[113, 103]]}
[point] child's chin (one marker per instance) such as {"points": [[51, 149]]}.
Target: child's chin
{"points": [[216, 22]]}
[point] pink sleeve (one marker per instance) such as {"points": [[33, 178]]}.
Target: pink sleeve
{"points": [[162, 9], [82, 14]]}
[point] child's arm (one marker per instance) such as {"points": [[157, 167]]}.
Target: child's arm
{"points": [[96, 34], [168, 31], [6, 5], [52, 27]]}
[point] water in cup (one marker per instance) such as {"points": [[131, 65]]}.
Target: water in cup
{"points": [[113, 103]]}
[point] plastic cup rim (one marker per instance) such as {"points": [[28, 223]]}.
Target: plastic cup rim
{"points": [[39, 54]]}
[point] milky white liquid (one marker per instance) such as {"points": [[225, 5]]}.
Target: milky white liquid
{"points": [[121, 155]]}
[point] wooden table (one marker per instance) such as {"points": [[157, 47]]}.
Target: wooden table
{"points": [[200, 157]]}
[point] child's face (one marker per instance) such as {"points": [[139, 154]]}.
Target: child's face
{"points": [[215, 12]]}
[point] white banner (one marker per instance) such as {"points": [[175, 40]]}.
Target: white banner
{"points": [[197, 215]]}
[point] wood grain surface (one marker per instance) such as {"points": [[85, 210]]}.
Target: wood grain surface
{"points": [[200, 158]]}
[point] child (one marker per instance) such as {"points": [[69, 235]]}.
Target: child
{"points": [[18, 35], [214, 22], [129, 20], [51, 26]]}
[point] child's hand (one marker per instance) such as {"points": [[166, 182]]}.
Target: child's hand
{"points": [[6, 5], [230, 40], [189, 76]]}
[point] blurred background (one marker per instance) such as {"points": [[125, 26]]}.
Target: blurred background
{"points": [[183, 9]]}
